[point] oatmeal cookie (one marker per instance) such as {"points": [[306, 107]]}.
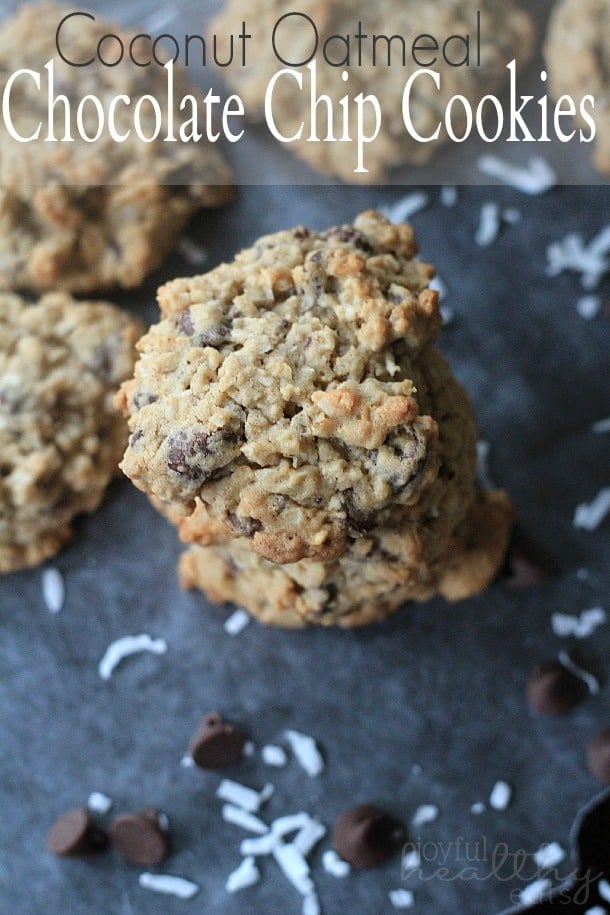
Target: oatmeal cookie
{"points": [[61, 362], [577, 52], [381, 571], [81, 216], [287, 393], [506, 33]]}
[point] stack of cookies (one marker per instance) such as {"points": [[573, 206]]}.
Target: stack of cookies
{"points": [[291, 415]]}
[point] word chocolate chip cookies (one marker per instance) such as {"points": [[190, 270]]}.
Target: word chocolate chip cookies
{"points": [[291, 414]]}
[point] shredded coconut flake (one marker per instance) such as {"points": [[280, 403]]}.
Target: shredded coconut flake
{"points": [[294, 867], [411, 861], [249, 748], [311, 905], [237, 622], [261, 846], [406, 207], [187, 761], [168, 885], [402, 899], [588, 306], [602, 425], [512, 216], [306, 752], [501, 795], [535, 178], [535, 891], [99, 803], [447, 315], [588, 678], [192, 252], [549, 855], [334, 865], [240, 817], [53, 590], [483, 450], [283, 826], [571, 253], [126, 646], [603, 888], [274, 756], [581, 626], [247, 874], [477, 808], [449, 195], [589, 515], [242, 796], [596, 910], [308, 836], [426, 813], [489, 225]]}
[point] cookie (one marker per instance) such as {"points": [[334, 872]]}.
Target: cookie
{"points": [[61, 362], [286, 393], [577, 53], [381, 572], [506, 33], [86, 216]]}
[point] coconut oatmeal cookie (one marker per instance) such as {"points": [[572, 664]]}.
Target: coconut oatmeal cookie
{"points": [[290, 410], [506, 33], [577, 52], [82, 216], [61, 362]]}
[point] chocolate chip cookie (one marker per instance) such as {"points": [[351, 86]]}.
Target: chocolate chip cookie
{"points": [[379, 66], [577, 52], [291, 415], [82, 216], [61, 362]]}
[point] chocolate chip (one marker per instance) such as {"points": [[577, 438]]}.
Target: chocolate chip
{"points": [[365, 835], [247, 527], [598, 755], [186, 451], [135, 437], [102, 360], [143, 399], [213, 336], [526, 564], [76, 833], [216, 744], [554, 690], [140, 837], [350, 235], [185, 323]]}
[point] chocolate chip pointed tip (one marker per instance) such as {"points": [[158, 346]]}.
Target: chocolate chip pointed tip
{"points": [[217, 743], [365, 835]]}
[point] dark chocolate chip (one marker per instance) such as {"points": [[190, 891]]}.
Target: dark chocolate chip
{"points": [[185, 323], [216, 744], [102, 360], [247, 527], [140, 837], [213, 336], [598, 755], [350, 235], [186, 450], [554, 690], [526, 564], [76, 833], [143, 399], [365, 835], [135, 437]]}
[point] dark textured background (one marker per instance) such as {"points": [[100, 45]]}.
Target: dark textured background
{"points": [[437, 686]]}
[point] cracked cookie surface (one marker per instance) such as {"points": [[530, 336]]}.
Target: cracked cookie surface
{"points": [[82, 216], [284, 392], [61, 362]]}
